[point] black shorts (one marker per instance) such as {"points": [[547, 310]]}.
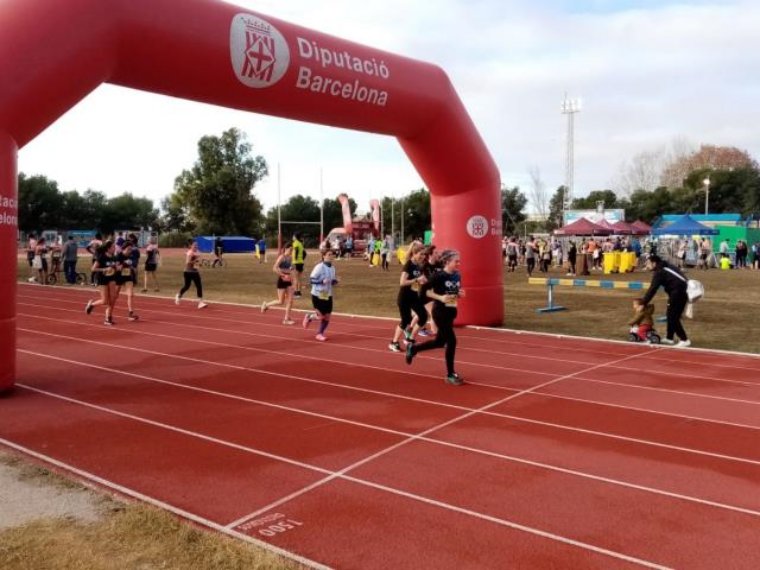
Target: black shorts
{"points": [[44, 264], [121, 279], [299, 267], [151, 266], [282, 284], [30, 257], [323, 306]]}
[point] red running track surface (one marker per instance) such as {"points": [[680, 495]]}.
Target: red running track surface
{"points": [[558, 453]]}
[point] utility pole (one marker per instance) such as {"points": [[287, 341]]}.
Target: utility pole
{"points": [[569, 107]]}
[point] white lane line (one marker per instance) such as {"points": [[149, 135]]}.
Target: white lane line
{"points": [[522, 357], [671, 391], [229, 529], [125, 491], [496, 330], [367, 390]]}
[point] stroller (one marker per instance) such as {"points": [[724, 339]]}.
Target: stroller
{"points": [[651, 336]]}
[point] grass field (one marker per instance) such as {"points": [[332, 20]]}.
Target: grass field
{"points": [[724, 319]]}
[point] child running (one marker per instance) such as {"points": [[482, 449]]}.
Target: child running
{"points": [[283, 265], [126, 275], [412, 279], [322, 282], [445, 290], [192, 275]]}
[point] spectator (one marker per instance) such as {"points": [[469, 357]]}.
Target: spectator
{"points": [[70, 255]]}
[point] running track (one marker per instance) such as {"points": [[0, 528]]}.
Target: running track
{"points": [[558, 453]]}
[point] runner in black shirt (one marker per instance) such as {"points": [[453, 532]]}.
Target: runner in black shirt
{"points": [[412, 279], [445, 290]]}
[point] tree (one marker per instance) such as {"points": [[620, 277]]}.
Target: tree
{"points": [[590, 202], [513, 203], [218, 190], [707, 157], [126, 212], [556, 209], [176, 216], [647, 206], [39, 203], [538, 192], [643, 172], [416, 210]]}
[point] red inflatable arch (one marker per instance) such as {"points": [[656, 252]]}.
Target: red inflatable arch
{"points": [[53, 53]]}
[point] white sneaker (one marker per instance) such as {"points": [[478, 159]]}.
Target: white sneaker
{"points": [[202, 305], [176, 299], [667, 341], [683, 344], [264, 307]]}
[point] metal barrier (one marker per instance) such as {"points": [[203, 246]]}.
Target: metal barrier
{"points": [[600, 284]]}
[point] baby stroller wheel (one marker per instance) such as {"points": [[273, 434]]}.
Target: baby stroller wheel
{"points": [[52, 279], [81, 279], [633, 337], [654, 338]]}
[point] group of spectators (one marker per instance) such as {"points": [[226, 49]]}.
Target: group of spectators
{"points": [[542, 252], [701, 250]]}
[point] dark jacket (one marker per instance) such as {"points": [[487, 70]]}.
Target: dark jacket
{"points": [[673, 285]]}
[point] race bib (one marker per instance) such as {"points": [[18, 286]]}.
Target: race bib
{"points": [[416, 286], [324, 295], [110, 271], [452, 303], [126, 272]]}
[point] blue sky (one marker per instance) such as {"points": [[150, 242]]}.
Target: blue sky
{"points": [[649, 73]]}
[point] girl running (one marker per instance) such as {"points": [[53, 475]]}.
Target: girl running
{"points": [[151, 264], [40, 260], [192, 275], [126, 276], [283, 265], [104, 269], [322, 282], [412, 280], [445, 290]]}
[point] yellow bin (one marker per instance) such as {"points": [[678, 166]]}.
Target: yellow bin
{"points": [[610, 262], [627, 262]]}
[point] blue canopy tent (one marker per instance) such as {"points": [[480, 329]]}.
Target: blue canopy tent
{"points": [[685, 226]]}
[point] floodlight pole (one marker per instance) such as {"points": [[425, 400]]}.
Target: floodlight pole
{"points": [[569, 107], [706, 182], [393, 227]]}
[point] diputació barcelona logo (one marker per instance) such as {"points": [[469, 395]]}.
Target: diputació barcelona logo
{"points": [[260, 55]]}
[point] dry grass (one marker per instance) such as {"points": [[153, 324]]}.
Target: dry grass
{"points": [[135, 536], [130, 536]]}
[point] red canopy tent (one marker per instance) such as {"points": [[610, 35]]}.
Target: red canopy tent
{"points": [[583, 227], [642, 228], [624, 228]]}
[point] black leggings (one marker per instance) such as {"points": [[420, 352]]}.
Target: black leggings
{"points": [[195, 278], [676, 305], [444, 320], [405, 307]]}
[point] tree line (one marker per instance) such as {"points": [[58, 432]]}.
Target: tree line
{"points": [[217, 196]]}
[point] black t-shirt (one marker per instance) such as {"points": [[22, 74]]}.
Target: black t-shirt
{"points": [[446, 284], [413, 271], [107, 264], [430, 271]]}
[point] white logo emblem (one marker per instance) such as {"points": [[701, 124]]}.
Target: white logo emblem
{"points": [[260, 54], [477, 227]]}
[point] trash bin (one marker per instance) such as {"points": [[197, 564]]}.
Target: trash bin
{"points": [[611, 262], [627, 262]]}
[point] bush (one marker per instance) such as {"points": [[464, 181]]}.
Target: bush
{"points": [[174, 239]]}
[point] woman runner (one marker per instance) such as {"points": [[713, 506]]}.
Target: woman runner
{"points": [[445, 290], [412, 279], [283, 265], [104, 270], [192, 275], [126, 276], [151, 264], [322, 282]]}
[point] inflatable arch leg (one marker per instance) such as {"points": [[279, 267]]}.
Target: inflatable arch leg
{"points": [[8, 254], [217, 53]]}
